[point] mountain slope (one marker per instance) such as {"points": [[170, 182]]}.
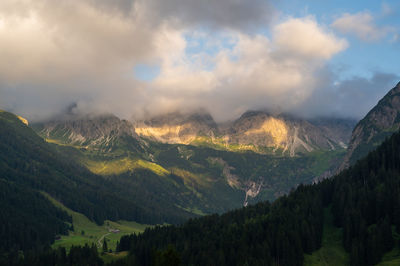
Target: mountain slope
{"points": [[364, 202], [177, 128], [134, 164], [379, 123], [200, 178], [98, 132], [28, 220], [289, 135], [28, 160]]}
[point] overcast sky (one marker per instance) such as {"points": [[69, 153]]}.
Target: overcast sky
{"points": [[146, 57]]}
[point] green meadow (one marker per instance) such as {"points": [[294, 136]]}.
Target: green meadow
{"points": [[88, 232]]}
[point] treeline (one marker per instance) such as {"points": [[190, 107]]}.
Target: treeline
{"points": [[365, 202], [77, 256], [263, 234]]}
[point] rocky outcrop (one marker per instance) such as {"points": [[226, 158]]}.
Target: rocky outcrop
{"points": [[286, 134], [23, 120], [177, 127], [89, 130], [251, 187], [382, 121]]}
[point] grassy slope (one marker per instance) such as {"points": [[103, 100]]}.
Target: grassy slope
{"points": [[332, 251], [92, 231], [200, 185], [119, 166], [191, 165], [393, 256]]}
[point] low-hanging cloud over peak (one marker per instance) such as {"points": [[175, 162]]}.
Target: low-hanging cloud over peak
{"points": [[226, 56]]}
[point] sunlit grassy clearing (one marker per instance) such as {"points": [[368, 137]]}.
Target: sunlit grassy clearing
{"points": [[332, 251], [86, 231], [190, 178], [119, 166], [58, 142]]}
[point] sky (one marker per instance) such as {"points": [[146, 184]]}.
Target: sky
{"points": [[139, 58]]}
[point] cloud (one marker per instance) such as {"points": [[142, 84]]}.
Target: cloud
{"points": [[257, 72], [362, 25], [305, 38], [396, 38], [351, 98], [55, 53], [233, 14]]}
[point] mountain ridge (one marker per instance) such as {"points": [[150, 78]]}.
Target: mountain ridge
{"points": [[379, 123], [257, 131]]}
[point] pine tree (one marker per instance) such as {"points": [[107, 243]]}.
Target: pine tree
{"points": [[105, 248]]}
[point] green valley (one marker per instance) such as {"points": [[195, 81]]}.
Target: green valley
{"points": [[87, 232]]}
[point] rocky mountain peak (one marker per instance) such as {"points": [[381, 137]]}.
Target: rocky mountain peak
{"points": [[287, 134], [87, 130]]}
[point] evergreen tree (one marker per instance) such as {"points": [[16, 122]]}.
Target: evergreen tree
{"points": [[105, 248]]}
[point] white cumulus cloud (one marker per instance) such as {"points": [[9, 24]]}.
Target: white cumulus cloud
{"points": [[278, 73], [362, 25], [54, 53]]}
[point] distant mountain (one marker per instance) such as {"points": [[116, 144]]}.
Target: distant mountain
{"points": [[381, 122], [288, 135], [27, 160], [257, 131], [101, 132], [213, 167]]}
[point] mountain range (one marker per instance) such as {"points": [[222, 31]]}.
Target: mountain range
{"points": [[203, 153], [255, 131], [172, 167]]}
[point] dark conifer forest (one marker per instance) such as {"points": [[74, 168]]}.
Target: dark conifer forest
{"points": [[365, 202]]}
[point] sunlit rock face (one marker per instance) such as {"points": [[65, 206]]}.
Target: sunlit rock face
{"points": [[282, 133], [255, 130], [23, 120], [177, 127]]}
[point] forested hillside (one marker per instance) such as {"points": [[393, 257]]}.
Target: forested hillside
{"points": [[365, 203], [201, 178], [27, 219], [28, 160], [29, 165]]}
